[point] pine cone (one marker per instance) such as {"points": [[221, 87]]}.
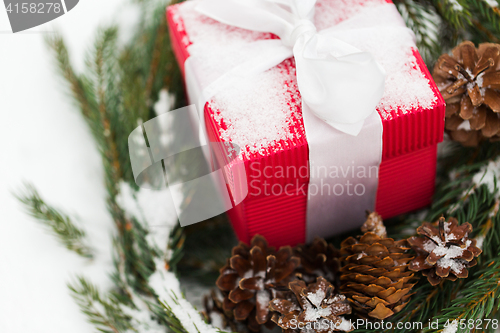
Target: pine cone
{"points": [[214, 313], [469, 81], [252, 277], [444, 250], [312, 308], [376, 277], [318, 259]]}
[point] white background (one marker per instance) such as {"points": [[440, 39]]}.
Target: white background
{"points": [[44, 140]]}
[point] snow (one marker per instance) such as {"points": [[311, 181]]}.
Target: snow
{"points": [[492, 3], [488, 174], [479, 241], [465, 125], [141, 317], [165, 102], [154, 209], [429, 246], [263, 298], [451, 328], [450, 254], [167, 287], [314, 311], [317, 297], [455, 5], [345, 325], [271, 113]]}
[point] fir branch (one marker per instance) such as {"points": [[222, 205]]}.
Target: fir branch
{"points": [[60, 224], [102, 68], [476, 300], [487, 20], [56, 43], [104, 313], [88, 91], [426, 24], [455, 12]]}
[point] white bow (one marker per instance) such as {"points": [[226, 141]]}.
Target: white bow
{"points": [[340, 84]]}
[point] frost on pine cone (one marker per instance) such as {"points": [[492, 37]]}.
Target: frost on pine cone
{"points": [[444, 250], [375, 274], [214, 313], [252, 277], [311, 307], [469, 81], [318, 259]]}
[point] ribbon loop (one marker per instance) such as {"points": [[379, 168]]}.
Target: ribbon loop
{"points": [[324, 78]]}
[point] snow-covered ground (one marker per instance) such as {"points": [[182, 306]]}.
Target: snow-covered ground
{"points": [[44, 140]]}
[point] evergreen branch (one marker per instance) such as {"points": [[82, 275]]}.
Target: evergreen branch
{"points": [[102, 65], [56, 43], [426, 24], [89, 94], [173, 322], [454, 12], [476, 300], [488, 19], [61, 225], [104, 313]]}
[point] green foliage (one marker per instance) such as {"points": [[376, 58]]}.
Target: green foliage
{"points": [[60, 224], [104, 312], [476, 301], [425, 23], [440, 25]]}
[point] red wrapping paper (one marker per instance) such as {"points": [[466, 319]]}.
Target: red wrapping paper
{"points": [[406, 174]]}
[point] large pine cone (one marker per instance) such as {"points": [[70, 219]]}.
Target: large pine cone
{"points": [[444, 250], [375, 274], [252, 277], [469, 81], [318, 259], [311, 308]]}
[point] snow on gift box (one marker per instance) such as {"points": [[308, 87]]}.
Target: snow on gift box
{"points": [[308, 175]]}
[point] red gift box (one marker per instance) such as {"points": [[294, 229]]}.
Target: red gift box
{"points": [[406, 173]]}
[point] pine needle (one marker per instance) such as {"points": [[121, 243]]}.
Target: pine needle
{"points": [[60, 224]]}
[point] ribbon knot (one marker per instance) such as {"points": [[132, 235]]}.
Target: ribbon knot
{"points": [[340, 84], [302, 27]]}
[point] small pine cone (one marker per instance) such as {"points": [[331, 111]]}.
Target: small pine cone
{"points": [[375, 274], [253, 276], [444, 250], [469, 81], [375, 224], [311, 308], [318, 259], [214, 313]]}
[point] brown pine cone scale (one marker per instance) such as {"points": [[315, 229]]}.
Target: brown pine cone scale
{"points": [[311, 307], [444, 250], [469, 81], [375, 274], [252, 277], [318, 259]]}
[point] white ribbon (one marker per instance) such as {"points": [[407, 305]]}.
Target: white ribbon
{"points": [[340, 87], [331, 74]]}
